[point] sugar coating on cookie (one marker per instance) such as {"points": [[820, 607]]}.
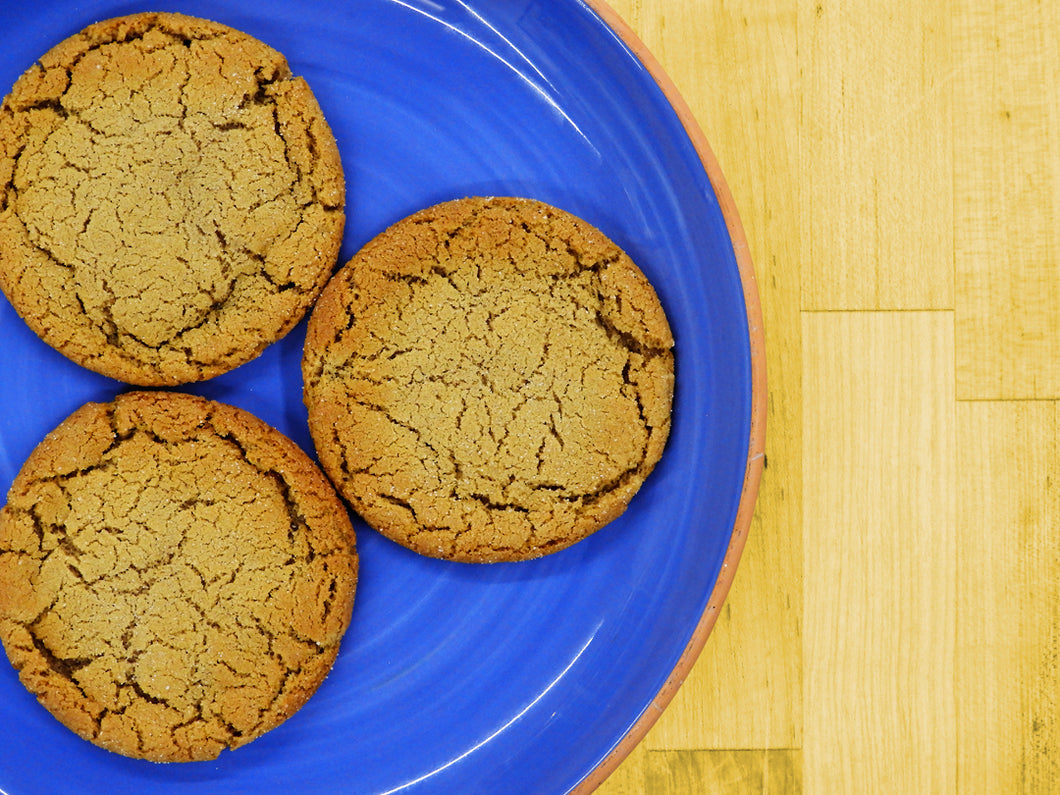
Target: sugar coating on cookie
{"points": [[171, 198], [488, 380], [175, 576]]}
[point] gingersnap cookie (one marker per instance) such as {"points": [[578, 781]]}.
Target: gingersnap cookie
{"points": [[175, 576], [171, 198], [488, 380]]}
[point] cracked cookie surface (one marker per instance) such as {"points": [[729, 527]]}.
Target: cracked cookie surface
{"points": [[175, 576], [171, 198], [489, 379]]}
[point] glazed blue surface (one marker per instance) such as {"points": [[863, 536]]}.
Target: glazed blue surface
{"points": [[453, 677]]}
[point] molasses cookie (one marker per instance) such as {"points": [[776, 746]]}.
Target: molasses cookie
{"points": [[489, 379], [171, 198], [175, 576]]}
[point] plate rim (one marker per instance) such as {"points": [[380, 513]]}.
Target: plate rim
{"points": [[756, 438]]}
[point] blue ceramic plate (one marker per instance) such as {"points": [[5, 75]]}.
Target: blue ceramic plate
{"points": [[453, 677]]}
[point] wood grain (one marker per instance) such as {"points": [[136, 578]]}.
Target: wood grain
{"points": [[1008, 601], [894, 625], [750, 771], [1006, 189], [876, 154], [756, 771], [880, 573]]}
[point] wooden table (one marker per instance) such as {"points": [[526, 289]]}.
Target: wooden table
{"points": [[894, 625]]}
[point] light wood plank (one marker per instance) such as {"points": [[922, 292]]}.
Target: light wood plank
{"points": [[875, 128], [755, 649], [1006, 188], [879, 552], [1008, 640], [750, 772]]}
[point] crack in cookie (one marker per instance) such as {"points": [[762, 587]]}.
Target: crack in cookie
{"points": [[175, 576], [489, 379], [172, 198]]}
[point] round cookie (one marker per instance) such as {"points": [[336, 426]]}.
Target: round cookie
{"points": [[175, 576], [171, 198], [489, 379]]}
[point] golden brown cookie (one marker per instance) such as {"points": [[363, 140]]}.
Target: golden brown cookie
{"points": [[489, 379], [171, 198], [175, 576]]}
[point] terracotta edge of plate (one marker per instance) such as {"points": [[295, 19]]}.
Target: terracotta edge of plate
{"points": [[756, 441]]}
